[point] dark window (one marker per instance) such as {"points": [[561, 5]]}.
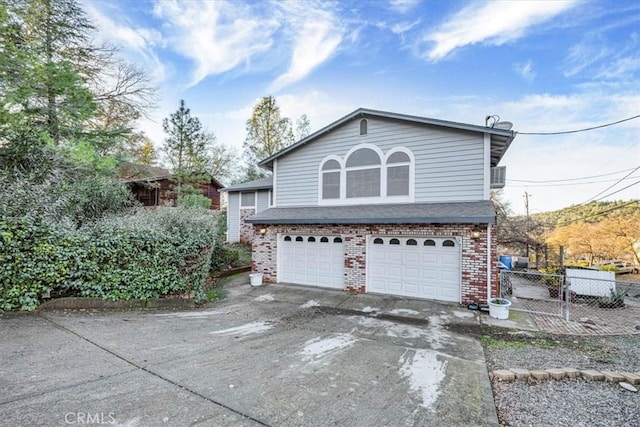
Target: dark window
{"points": [[411, 242], [378, 241], [337, 240], [429, 242], [287, 238], [363, 127], [299, 239], [448, 243], [394, 242], [311, 239], [324, 240]]}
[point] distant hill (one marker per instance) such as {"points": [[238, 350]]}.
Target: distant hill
{"points": [[590, 213]]}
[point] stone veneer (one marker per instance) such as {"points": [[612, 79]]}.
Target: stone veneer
{"points": [[246, 229], [474, 256]]}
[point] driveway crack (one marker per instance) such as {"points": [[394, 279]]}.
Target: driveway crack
{"points": [[155, 374]]}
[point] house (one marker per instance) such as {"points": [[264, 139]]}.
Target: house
{"points": [[153, 186], [379, 202]]}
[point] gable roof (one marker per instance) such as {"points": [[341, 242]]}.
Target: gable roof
{"points": [[500, 138], [419, 213], [259, 184], [134, 172]]}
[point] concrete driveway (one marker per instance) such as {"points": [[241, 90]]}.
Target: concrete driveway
{"points": [[277, 355]]}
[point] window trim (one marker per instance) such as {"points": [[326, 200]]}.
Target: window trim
{"points": [[383, 198], [254, 200]]}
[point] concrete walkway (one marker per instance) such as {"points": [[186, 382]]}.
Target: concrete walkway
{"points": [[276, 355]]}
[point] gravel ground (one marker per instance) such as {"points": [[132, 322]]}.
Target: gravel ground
{"points": [[567, 402]]}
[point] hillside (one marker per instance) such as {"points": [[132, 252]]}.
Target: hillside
{"points": [[593, 212]]}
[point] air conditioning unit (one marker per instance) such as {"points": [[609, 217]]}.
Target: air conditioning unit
{"points": [[498, 177]]}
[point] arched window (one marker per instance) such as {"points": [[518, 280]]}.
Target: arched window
{"points": [[394, 242], [331, 179], [448, 243], [429, 242], [311, 239], [363, 127], [324, 240], [299, 239], [287, 238], [378, 241], [411, 242], [367, 175], [337, 240], [363, 173], [398, 171]]}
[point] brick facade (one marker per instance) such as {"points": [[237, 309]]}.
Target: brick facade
{"points": [[246, 229], [474, 251]]}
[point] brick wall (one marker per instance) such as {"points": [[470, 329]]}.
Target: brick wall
{"points": [[246, 230], [474, 251]]}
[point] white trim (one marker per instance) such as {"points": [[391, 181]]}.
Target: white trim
{"points": [[255, 196], [382, 198], [274, 187], [486, 187]]}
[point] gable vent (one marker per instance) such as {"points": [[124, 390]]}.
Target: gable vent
{"points": [[498, 177]]}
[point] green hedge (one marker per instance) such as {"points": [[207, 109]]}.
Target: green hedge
{"points": [[145, 255]]}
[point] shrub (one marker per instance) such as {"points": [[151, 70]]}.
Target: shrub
{"points": [[194, 201], [144, 255], [35, 258], [147, 255]]}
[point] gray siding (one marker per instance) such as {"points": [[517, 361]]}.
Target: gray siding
{"points": [[448, 163], [233, 217], [262, 201]]}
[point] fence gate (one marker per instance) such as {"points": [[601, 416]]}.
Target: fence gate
{"points": [[534, 292]]}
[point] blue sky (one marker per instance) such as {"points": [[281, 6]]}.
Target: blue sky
{"points": [[546, 66]]}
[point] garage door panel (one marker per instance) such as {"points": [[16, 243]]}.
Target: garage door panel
{"points": [[306, 260], [431, 271]]}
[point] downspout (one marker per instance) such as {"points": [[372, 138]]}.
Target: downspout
{"points": [[488, 261]]}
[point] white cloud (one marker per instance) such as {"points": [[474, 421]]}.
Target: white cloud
{"points": [[492, 22], [218, 36], [403, 27], [317, 36], [138, 43], [403, 6], [620, 68], [583, 55], [557, 157], [526, 70]]}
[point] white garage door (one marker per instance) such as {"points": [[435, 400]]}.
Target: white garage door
{"points": [[311, 260], [414, 266]]}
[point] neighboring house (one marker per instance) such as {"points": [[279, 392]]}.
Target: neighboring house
{"points": [[379, 202], [153, 186]]}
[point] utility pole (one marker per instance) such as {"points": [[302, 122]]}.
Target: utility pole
{"points": [[526, 227]]}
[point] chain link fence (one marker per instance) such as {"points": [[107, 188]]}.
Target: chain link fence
{"points": [[586, 301]]}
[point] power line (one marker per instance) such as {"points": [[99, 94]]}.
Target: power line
{"points": [[570, 179], [568, 184], [580, 130], [597, 214], [617, 191], [614, 184]]}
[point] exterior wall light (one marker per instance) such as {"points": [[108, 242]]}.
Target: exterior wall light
{"points": [[263, 231], [475, 233]]}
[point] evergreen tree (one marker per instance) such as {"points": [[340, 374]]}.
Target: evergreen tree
{"points": [[267, 133], [192, 151]]}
